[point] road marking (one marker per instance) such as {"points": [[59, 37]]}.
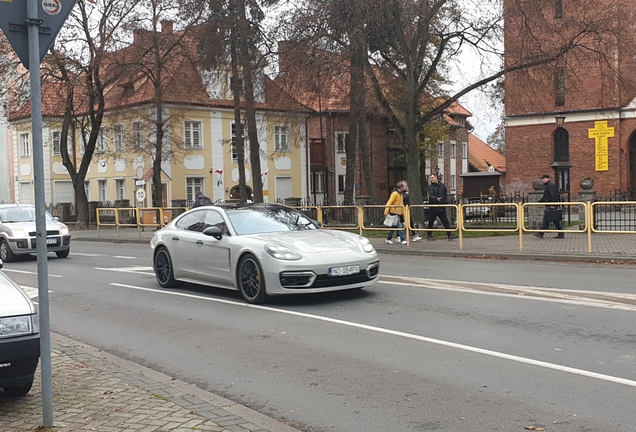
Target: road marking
{"points": [[607, 300], [4, 269], [32, 292], [88, 254], [124, 257], [145, 270], [496, 354]]}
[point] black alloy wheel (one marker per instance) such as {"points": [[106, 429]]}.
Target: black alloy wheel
{"points": [[6, 254], [251, 280], [164, 270]]}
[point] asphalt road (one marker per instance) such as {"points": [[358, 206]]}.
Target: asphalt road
{"points": [[438, 344]]}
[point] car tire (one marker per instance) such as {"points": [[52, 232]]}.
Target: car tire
{"points": [[6, 254], [63, 254], [164, 270], [18, 391], [251, 280]]}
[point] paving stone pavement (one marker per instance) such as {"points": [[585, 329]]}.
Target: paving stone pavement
{"points": [[96, 391]]}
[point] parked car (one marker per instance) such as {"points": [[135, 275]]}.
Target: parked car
{"points": [[18, 232], [261, 250], [19, 338]]}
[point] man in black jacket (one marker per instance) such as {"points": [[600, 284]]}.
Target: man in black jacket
{"points": [[437, 195], [550, 195]]}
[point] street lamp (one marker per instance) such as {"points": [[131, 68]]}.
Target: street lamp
{"points": [[560, 119]]}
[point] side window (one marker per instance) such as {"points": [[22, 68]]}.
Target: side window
{"points": [[214, 218], [194, 221]]}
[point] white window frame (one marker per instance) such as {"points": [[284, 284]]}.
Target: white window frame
{"points": [[318, 182], [440, 149], [138, 135], [453, 184], [240, 82], [194, 185], [102, 190], [56, 138], [193, 137], [341, 141], [246, 148], [87, 189], [281, 139], [101, 146], [464, 150], [118, 138], [342, 182], [25, 145], [120, 188], [453, 150]]}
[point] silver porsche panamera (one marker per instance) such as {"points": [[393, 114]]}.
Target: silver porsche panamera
{"points": [[261, 250]]}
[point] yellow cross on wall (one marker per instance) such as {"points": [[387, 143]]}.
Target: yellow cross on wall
{"points": [[601, 134]]}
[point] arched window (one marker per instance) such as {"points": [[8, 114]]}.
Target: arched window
{"points": [[561, 145]]}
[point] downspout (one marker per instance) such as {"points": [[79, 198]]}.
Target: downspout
{"points": [[307, 161]]}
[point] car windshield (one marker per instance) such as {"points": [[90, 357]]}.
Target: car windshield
{"points": [[19, 214], [255, 220]]}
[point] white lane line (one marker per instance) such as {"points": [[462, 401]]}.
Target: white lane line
{"points": [[4, 269], [124, 257], [32, 292], [532, 362], [145, 270], [88, 254]]}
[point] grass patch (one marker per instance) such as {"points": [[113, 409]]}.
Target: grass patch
{"points": [[160, 396]]}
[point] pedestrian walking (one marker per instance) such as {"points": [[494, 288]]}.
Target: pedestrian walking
{"points": [[437, 194], [396, 199], [407, 202], [201, 200], [552, 213]]}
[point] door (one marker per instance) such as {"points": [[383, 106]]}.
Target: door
{"points": [[26, 195], [213, 256], [283, 188], [183, 244]]}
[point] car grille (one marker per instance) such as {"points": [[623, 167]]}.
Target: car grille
{"points": [[300, 280], [48, 233], [19, 368]]}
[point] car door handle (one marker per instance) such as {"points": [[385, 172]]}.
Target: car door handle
{"points": [[200, 242], [175, 238]]}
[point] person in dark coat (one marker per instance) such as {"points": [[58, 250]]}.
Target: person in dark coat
{"points": [[437, 194], [201, 200], [550, 195]]}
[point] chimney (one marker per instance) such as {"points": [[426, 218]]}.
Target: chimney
{"points": [[167, 26]]}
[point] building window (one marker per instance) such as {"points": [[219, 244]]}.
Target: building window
{"points": [[558, 9], [397, 167], [453, 150], [342, 138], [193, 185], [318, 182], [464, 150], [560, 87], [101, 141], [25, 146], [561, 145], [453, 184], [55, 143], [120, 185], [245, 146], [281, 139], [440, 150], [192, 135], [118, 138], [103, 192], [341, 183], [236, 83], [138, 135], [87, 189]]}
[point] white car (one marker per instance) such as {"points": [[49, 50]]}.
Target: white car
{"points": [[261, 250], [18, 232], [19, 338]]}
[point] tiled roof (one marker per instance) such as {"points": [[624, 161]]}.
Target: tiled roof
{"points": [[481, 155]]}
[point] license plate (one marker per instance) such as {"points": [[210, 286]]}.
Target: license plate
{"points": [[344, 271], [51, 241]]}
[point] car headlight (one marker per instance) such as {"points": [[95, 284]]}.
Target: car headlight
{"points": [[16, 326], [281, 252], [19, 232], [366, 244], [63, 230]]}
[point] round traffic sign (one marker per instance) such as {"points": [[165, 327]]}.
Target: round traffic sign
{"points": [[52, 7], [140, 194]]}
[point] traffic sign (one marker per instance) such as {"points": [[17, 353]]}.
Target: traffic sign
{"points": [[140, 194], [14, 22]]}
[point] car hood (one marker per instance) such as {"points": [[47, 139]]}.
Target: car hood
{"points": [[314, 241], [30, 226], [14, 300]]}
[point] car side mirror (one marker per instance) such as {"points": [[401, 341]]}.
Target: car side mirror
{"points": [[57, 218], [213, 231], [318, 224]]}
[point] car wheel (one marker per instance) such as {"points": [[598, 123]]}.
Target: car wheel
{"points": [[63, 254], [19, 390], [251, 281], [6, 254], [164, 270]]}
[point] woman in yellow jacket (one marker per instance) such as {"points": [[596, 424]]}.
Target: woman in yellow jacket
{"points": [[397, 199]]}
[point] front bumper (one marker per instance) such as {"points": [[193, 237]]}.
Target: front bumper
{"points": [[19, 358], [28, 245]]}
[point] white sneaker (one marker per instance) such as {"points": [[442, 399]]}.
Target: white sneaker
{"points": [[404, 242], [416, 238], [388, 241]]}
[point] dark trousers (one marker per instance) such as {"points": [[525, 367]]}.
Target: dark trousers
{"points": [[432, 215], [545, 224]]}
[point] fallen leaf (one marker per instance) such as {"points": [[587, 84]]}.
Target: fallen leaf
{"points": [[462, 418], [528, 427]]}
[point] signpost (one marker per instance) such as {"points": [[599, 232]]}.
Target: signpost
{"points": [[31, 27]]}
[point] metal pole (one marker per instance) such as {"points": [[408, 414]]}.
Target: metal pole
{"points": [[33, 24]]}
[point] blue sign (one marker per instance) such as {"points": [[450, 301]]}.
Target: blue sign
{"points": [[50, 19]]}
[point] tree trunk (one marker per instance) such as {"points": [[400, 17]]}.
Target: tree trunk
{"points": [[238, 122]]}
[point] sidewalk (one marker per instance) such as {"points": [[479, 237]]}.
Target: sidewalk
{"points": [[96, 391], [606, 247]]}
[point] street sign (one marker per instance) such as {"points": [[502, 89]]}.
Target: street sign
{"points": [[140, 194], [14, 22], [140, 182]]}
